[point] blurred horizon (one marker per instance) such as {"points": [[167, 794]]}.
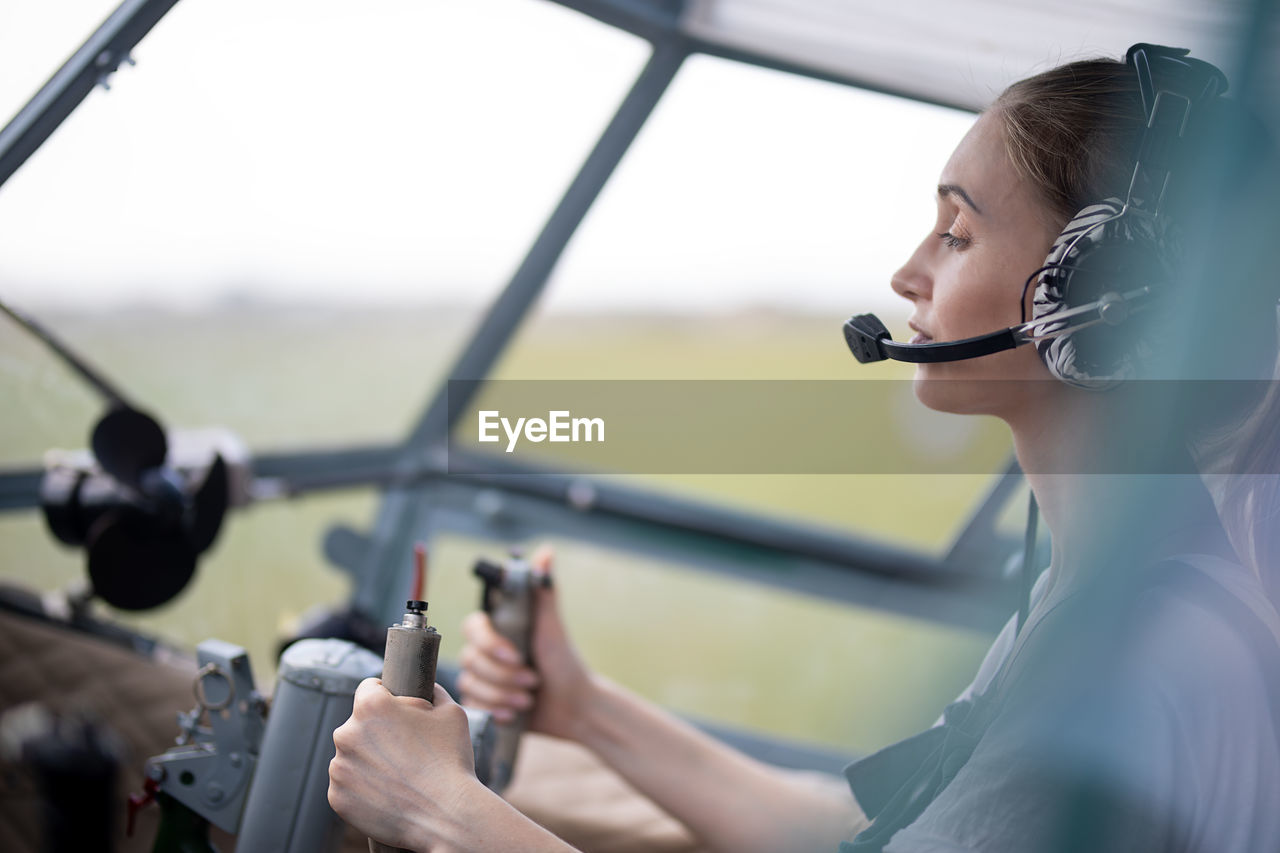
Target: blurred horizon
{"points": [[34, 300]]}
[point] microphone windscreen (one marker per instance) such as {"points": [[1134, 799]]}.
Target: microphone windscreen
{"points": [[863, 333]]}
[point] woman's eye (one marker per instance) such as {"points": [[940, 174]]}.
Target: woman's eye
{"points": [[952, 241]]}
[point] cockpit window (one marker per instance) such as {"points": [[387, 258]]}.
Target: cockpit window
{"points": [[755, 212], [286, 219]]}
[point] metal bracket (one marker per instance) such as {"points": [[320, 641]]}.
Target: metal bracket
{"points": [[210, 769]]}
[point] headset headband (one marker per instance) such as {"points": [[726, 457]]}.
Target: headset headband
{"points": [[1170, 91]]}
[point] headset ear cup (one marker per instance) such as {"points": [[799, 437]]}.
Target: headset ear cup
{"points": [[1104, 249]]}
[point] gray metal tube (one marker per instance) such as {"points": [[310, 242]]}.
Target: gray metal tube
{"points": [[409, 669], [508, 599], [288, 809]]}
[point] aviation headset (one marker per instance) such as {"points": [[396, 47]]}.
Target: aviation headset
{"points": [[1105, 244]]}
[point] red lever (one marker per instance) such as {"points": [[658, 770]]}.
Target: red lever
{"points": [[137, 802], [419, 572]]}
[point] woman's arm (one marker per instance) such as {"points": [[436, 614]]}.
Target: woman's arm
{"points": [[730, 801], [727, 799]]}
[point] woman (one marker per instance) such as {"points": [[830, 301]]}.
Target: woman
{"points": [[1131, 710]]}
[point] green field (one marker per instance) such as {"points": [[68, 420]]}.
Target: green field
{"points": [[324, 376]]}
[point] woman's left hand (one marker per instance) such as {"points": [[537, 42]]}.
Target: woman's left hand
{"points": [[404, 773]]}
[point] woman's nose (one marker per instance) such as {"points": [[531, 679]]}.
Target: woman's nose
{"points": [[902, 285], [911, 282]]}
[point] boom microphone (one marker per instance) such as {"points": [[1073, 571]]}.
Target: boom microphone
{"points": [[869, 340]]}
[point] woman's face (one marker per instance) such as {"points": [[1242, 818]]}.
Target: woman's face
{"points": [[966, 276]]}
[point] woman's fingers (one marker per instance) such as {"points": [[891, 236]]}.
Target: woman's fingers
{"points": [[493, 677], [487, 662], [496, 672], [488, 697], [477, 692], [478, 631], [543, 559]]}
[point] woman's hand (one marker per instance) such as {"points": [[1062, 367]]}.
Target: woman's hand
{"points": [[404, 773], [727, 800], [494, 677]]}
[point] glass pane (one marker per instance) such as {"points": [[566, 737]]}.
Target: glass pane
{"points": [[45, 405], [285, 220], [277, 376], [287, 217], [755, 212], [36, 38]]}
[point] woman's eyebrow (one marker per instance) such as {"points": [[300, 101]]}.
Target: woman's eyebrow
{"points": [[945, 190]]}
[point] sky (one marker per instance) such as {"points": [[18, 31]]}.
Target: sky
{"points": [[408, 151]]}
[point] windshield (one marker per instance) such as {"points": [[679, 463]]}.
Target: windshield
{"points": [[756, 211], [286, 219]]}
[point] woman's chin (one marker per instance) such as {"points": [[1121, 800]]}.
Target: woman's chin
{"points": [[932, 392], [939, 389], [998, 384]]}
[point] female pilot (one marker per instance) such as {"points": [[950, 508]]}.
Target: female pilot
{"points": [[1134, 707]]}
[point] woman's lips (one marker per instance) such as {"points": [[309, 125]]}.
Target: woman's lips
{"points": [[921, 339]]}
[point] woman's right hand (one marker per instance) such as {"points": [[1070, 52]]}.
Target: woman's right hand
{"points": [[494, 678]]}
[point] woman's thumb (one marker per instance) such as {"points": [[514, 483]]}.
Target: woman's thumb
{"points": [[546, 605]]}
